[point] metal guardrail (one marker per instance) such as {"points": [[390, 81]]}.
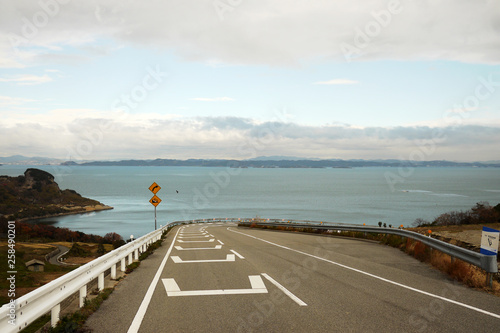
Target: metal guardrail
{"points": [[35, 304], [486, 262]]}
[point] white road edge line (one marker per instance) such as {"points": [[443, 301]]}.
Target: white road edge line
{"points": [[376, 277], [239, 255], [283, 289], [141, 312]]}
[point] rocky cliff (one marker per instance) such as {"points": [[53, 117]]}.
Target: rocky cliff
{"points": [[36, 194]]}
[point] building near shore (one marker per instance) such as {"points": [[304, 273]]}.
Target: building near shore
{"points": [[35, 265]]}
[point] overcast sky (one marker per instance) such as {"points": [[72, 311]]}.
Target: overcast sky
{"points": [[121, 79]]}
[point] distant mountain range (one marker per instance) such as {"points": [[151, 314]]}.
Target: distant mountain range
{"points": [[303, 163], [24, 160], [258, 162]]}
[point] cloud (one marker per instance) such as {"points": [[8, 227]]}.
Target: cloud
{"points": [[261, 32], [107, 135], [214, 99], [337, 81], [27, 79], [8, 101]]}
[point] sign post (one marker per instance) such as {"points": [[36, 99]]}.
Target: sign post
{"points": [[155, 201], [489, 246]]}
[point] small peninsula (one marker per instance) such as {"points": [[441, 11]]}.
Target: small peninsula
{"points": [[36, 195]]}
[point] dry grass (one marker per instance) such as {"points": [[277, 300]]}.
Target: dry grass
{"points": [[33, 246], [463, 272]]}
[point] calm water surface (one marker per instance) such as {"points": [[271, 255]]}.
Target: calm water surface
{"points": [[359, 195]]}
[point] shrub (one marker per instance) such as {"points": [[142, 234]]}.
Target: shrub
{"points": [[130, 268]]}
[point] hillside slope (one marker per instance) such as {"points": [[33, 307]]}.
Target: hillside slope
{"points": [[35, 194]]}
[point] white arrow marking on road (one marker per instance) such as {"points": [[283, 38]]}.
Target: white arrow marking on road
{"points": [[208, 241], [258, 287], [177, 260], [239, 255], [217, 247]]}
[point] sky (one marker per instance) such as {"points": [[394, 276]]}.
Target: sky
{"points": [[237, 79]]}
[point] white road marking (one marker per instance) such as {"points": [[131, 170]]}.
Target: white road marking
{"points": [[139, 316], [239, 255], [283, 289], [220, 242], [177, 260], [375, 276], [258, 287], [180, 248], [193, 236], [208, 241]]}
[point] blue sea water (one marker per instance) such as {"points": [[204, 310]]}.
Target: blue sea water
{"points": [[359, 195]]}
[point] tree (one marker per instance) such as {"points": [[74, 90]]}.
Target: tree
{"points": [[112, 237], [380, 224], [100, 249], [118, 243], [420, 223]]}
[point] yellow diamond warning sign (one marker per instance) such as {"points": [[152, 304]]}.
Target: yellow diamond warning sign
{"points": [[154, 188], [155, 201]]}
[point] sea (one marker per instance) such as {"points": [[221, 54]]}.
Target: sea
{"points": [[395, 196]]}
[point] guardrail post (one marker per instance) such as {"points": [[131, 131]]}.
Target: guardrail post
{"points": [[113, 272], [54, 315], [100, 281], [83, 294], [122, 268], [489, 280], [136, 254], [130, 258]]}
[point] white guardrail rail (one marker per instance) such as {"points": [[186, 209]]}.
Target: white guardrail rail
{"points": [[17, 315]]}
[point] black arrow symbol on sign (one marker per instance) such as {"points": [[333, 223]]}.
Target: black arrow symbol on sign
{"points": [[153, 189]]}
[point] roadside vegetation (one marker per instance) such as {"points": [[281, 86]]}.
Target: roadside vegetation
{"points": [[481, 213]]}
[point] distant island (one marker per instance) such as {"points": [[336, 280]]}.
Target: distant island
{"points": [[35, 195], [285, 163], [257, 162]]}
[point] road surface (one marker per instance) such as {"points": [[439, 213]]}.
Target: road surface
{"points": [[221, 278]]}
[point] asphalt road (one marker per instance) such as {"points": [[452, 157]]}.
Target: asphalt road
{"points": [[55, 259], [221, 278]]}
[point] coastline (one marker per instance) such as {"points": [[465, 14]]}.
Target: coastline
{"points": [[70, 211]]}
